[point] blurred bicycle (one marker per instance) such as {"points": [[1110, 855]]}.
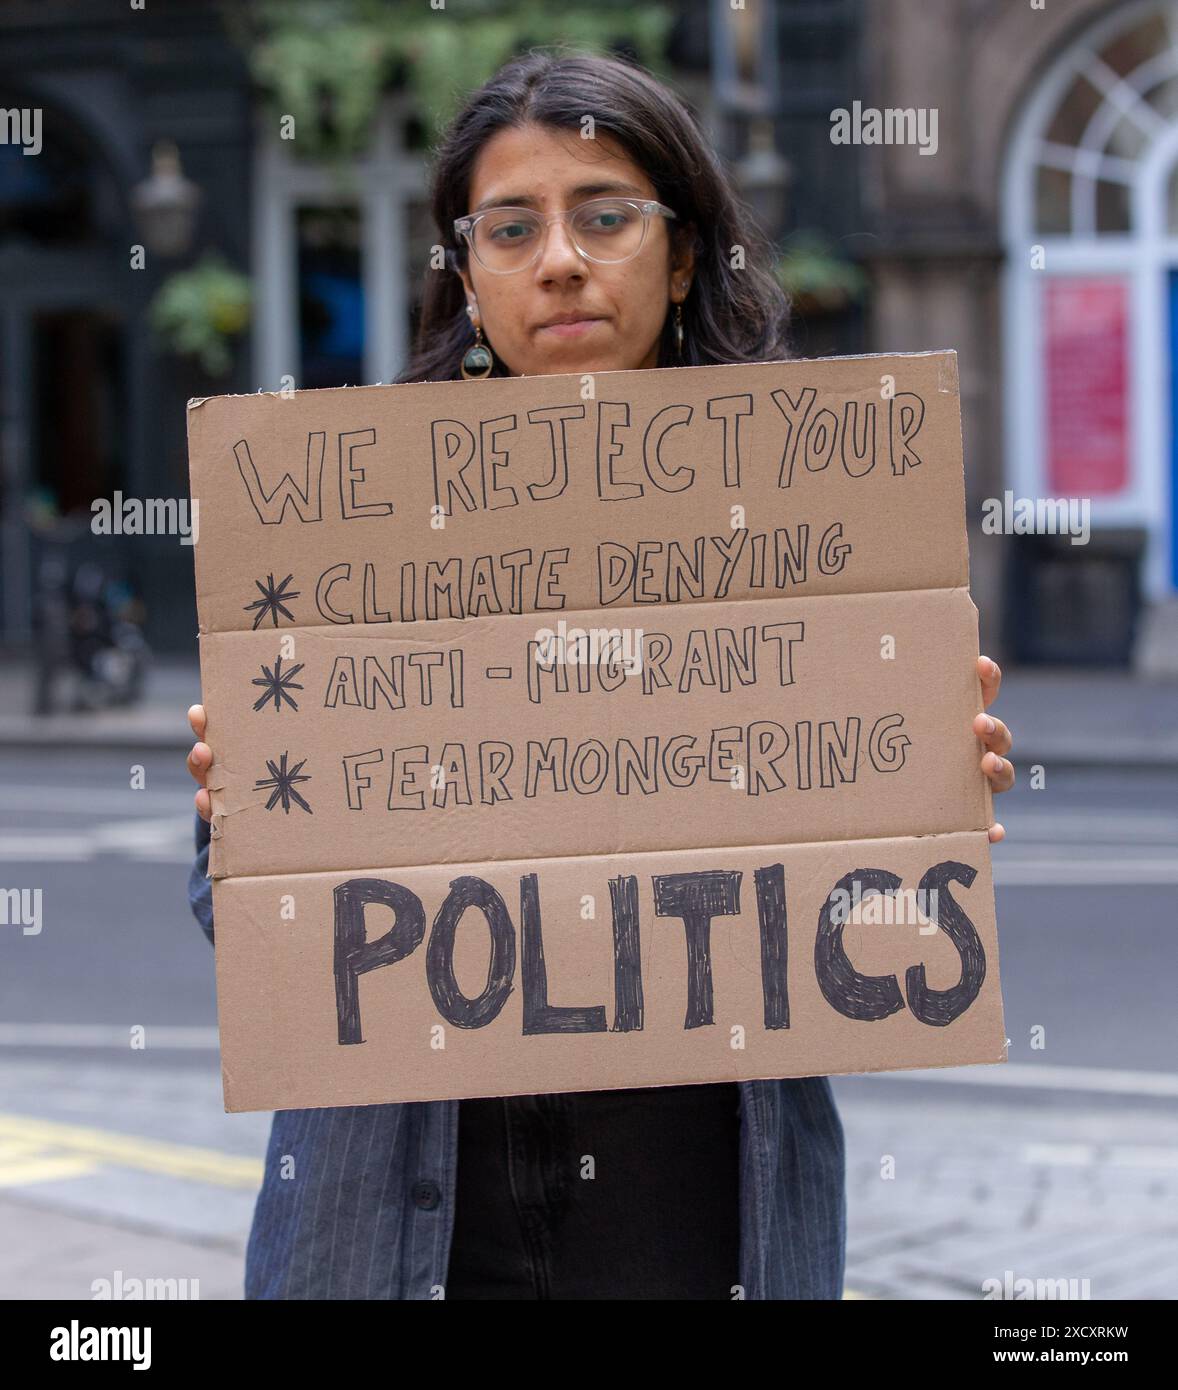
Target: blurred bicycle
{"points": [[89, 632]]}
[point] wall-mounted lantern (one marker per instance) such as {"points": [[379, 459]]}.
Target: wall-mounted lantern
{"points": [[165, 203]]}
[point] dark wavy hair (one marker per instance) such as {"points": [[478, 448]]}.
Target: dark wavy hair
{"points": [[730, 314]]}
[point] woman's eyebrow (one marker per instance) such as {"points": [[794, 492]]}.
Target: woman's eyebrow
{"points": [[583, 190]]}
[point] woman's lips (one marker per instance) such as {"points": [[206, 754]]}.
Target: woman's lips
{"points": [[571, 330]]}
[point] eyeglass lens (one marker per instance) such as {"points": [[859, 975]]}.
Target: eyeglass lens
{"points": [[508, 238]]}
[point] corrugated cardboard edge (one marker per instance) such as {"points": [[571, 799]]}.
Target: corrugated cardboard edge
{"points": [[195, 403]]}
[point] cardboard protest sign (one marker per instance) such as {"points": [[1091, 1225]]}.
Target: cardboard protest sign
{"points": [[575, 733]]}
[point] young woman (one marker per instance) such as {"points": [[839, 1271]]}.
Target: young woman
{"points": [[588, 228]]}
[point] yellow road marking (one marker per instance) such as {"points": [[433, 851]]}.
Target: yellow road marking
{"points": [[99, 1146], [18, 1148], [44, 1168]]}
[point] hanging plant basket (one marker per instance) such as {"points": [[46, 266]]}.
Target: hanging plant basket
{"points": [[199, 312], [817, 279]]}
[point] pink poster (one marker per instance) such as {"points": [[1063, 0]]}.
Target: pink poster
{"points": [[1087, 386]]}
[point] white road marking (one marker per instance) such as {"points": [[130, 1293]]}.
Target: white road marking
{"points": [[1117, 870], [160, 839], [102, 1035], [1088, 1155], [1106, 1080], [1076, 849], [1111, 825], [86, 798]]}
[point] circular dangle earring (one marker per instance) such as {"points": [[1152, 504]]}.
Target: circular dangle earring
{"points": [[477, 361]]}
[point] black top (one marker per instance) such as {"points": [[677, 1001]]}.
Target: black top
{"points": [[628, 1194]]}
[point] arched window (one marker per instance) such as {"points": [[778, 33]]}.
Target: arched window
{"points": [[1090, 222]]}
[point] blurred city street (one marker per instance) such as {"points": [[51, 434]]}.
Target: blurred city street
{"points": [[1062, 1165]]}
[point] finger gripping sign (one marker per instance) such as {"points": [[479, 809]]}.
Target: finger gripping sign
{"points": [[574, 744]]}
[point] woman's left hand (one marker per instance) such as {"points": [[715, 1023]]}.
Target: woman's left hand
{"points": [[996, 736]]}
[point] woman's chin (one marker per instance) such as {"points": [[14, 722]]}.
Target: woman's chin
{"points": [[567, 363]]}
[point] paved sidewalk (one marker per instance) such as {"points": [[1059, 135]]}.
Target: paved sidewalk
{"points": [[57, 1255], [1057, 715], [124, 1169], [949, 1185], [1089, 717], [159, 721], [989, 1188]]}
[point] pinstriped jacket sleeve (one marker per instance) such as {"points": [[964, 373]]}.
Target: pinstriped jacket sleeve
{"points": [[200, 888]]}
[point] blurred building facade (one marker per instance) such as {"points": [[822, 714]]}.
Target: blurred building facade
{"points": [[1040, 240], [1041, 243], [89, 407]]}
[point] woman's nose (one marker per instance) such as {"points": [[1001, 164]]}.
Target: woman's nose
{"points": [[559, 255]]}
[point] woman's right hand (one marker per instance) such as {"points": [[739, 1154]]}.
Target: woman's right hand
{"points": [[200, 760]]}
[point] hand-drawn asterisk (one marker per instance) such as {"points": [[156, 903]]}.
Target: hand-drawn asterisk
{"points": [[278, 684], [283, 780], [273, 600]]}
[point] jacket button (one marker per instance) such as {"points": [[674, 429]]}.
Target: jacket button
{"points": [[427, 1194]]}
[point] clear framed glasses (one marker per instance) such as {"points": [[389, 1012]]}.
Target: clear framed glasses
{"points": [[604, 230]]}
